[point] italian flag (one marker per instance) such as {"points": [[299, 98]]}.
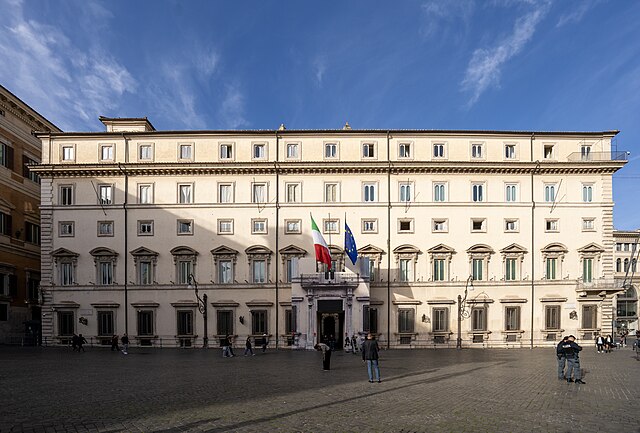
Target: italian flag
{"points": [[322, 250]]}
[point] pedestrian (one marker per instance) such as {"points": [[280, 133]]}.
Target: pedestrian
{"points": [[326, 355], [623, 339], [354, 344], [370, 350], [74, 342], [562, 359], [265, 342], [608, 342], [81, 341], [347, 342], [332, 342], [125, 343], [225, 347], [248, 349], [571, 349], [114, 343], [600, 343], [231, 345]]}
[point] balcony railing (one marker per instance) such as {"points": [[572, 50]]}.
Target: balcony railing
{"points": [[601, 283], [329, 279], [598, 156]]}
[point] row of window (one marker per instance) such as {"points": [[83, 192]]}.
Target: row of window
{"points": [[331, 151], [31, 230], [7, 155], [293, 193]]}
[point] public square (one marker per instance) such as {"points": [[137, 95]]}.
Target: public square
{"points": [[166, 390]]}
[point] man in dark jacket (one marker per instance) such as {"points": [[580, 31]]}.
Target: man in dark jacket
{"points": [[370, 356], [562, 359], [571, 349]]}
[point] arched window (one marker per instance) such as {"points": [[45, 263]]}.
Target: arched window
{"points": [[618, 265]]}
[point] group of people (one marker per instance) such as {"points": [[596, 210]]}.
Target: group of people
{"points": [[351, 343], [77, 342], [227, 346], [604, 344], [567, 352], [370, 355], [125, 343]]}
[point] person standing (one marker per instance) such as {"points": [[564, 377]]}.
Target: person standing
{"points": [[74, 342], [608, 342], [571, 349], [125, 343], [248, 349], [370, 350], [265, 342], [354, 344], [225, 347], [114, 343], [562, 358], [600, 343], [326, 355], [231, 345], [347, 342]]}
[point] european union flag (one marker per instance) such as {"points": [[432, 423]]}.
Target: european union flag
{"points": [[350, 244]]}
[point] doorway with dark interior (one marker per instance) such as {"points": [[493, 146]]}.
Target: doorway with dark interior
{"points": [[331, 323]]}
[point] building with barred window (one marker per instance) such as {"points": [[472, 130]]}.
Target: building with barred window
{"points": [[482, 238], [19, 219]]}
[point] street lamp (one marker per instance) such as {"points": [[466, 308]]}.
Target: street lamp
{"points": [[202, 307], [463, 312]]}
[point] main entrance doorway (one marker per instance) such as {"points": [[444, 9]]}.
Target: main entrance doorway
{"points": [[331, 323]]}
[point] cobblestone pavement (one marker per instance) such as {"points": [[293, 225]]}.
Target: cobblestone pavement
{"points": [[171, 390]]}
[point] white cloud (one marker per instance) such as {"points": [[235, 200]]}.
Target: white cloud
{"points": [[440, 15], [69, 86], [232, 108], [485, 67], [577, 13], [319, 68]]}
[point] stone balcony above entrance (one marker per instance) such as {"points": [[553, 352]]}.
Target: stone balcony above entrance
{"points": [[329, 279]]}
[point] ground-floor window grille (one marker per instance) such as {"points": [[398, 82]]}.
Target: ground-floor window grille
{"points": [[370, 319], [185, 322], [259, 322], [225, 322], [589, 316], [105, 323], [145, 323], [440, 321], [552, 317], [512, 319], [405, 320], [290, 325], [479, 319], [66, 323]]}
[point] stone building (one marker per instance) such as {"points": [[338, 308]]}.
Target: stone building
{"points": [[19, 219], [628, 279], [495, 238]]}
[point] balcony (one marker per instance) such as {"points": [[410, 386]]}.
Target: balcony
{"points": [[329, 279], [598, 156], [600, 284]]}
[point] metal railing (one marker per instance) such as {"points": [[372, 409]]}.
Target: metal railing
{"points": [[329, 279], [598, 156]]}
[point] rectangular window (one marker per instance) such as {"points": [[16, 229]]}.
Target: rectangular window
{"points": [[293, 226], [145, 227], [405, 226], [290, 325], [6, 224], [440, 226], [406, 270], [440, 322], [26, 170], [293, 192], [331, 192], [438, 270], [477, 151], [259, 193], [331, 226], [66, 274], [259, 322], [438, 150], [511, 192], [185, 152], [145, 193], [226, 151], [6, 156], [510, 269], [145, 152], [225, 271], [105, 273], [512, 319], [291, 268], [106, 153], [551, 267], [185, 227], [259, 151], [66, 195], [479, 225], [369, 192], [258, 226], [145, 272], [589, 316], [587, 270], [225, 227], [225, 193], [369, 319], [478, 267], [66, 323], [511, 225], [185, 269], [548, 151], [551, 225], [292, 151], [330, 150], [32, 233], [585, 153], [552, 317], [510, 151], [368, 150], [588, 224], [105, 193], [145, 323], [369, 226], [259, 270], [439, 192], [224, 323], [185, 193], [477, 192], [406, 320], [68, 153], [478, 319], [404, 150], [185, 323], [105, 228], [105, 324], [587, 193], [405, 192], [66, 228]]}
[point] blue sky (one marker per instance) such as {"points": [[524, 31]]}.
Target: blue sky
{"points": [[501, 64]]}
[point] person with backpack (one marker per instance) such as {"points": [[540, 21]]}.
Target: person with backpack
{"points": [[571, 349]]}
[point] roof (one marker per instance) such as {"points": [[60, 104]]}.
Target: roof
{"points": [[26, 107]]}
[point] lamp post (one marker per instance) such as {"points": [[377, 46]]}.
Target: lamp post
{"points": [[202, 307], [462, 313]]}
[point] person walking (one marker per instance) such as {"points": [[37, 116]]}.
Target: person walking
{"points": [[326, 355], [347, 342], [354, 344], [225, 347], [608, 342], [81, 341], [125, 343], [265, 342], [600, 343], [247, 347], [74, 342], [571, 349], [114, 343], [230, 337], [370, 350], [562, 358]]}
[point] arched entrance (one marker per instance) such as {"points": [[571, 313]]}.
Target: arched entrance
{"points": [[331, 323]]}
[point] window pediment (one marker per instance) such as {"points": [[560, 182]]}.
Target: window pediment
{"points": [[406, 249], [335, 250], [556, 248], [480, 249], [293, 250], [514, 249], [591, 248], [370, 249], [441, 249], [258, 250], [103, 252], [184, 251], [142, 251], [224, 250], [64, 253]]}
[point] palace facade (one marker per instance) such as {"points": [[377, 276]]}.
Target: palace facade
{"points": [[495, 238]]}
